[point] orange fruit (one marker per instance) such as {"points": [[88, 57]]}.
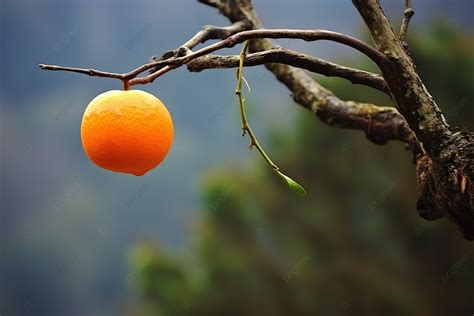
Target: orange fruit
{"points": [[127, 131]]}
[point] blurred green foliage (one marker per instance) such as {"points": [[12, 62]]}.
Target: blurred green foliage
{"points": [[354, 245]]}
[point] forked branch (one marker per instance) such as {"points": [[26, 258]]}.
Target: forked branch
{"points": [[131, 78]]}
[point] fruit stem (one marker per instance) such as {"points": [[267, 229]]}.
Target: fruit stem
{"points": [[126, 84]]}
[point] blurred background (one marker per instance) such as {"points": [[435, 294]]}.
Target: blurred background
{"points": [[212, 231]]}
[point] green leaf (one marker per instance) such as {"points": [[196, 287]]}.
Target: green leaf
{"points": [[294, 186]]}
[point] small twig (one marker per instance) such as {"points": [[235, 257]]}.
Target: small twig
{"points": [[407, 15], [153, 76], [294, 186], [89, 72]]}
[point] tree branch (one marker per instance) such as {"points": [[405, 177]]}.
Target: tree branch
{"points": [[444, 160], [445, 172], [408, 91], [218, 4], [89, 72], [131, 79], [295, 59], [381, 124], [280, 55], [307, 35], [306, 91], [407, 15], [228, 8], [209, 32]]}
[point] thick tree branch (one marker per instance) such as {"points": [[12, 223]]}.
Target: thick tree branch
{"points": [[295, 59], [380, 124], [446, 172], [408, 91]]}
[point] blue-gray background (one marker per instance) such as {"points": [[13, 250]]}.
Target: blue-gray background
{"points": [[67, 226]]}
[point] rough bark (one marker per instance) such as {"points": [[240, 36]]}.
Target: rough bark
{"points": [[381, 124], [446, 183], [445, 169], [445, 160]]}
